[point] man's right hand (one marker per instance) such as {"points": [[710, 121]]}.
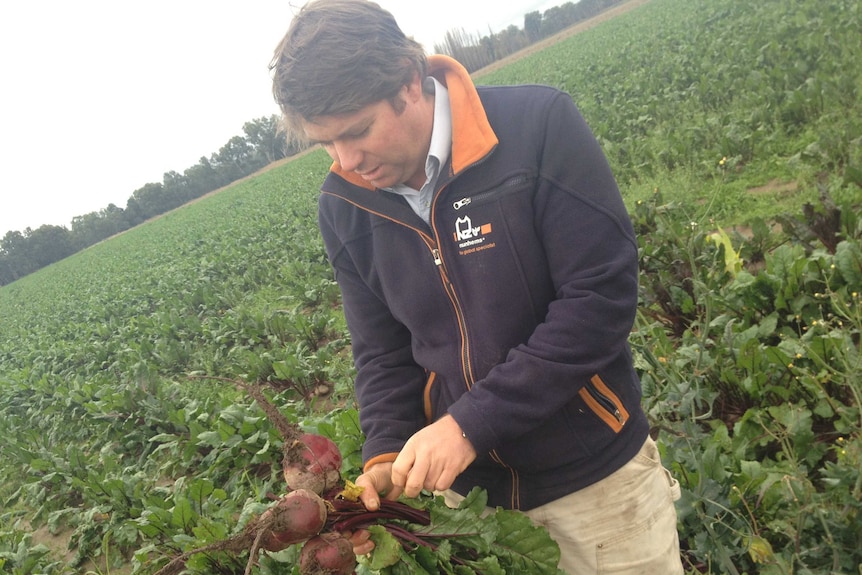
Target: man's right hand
{"points": [[375, 483]]}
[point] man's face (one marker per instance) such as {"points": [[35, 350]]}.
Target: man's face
{"points": [[384, 146]]}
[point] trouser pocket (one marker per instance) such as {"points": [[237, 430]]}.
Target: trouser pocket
{"points": [[648, 541]]}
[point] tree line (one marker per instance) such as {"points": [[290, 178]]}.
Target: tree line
{"points": [[22, 253], [475, 51], [261, 143]]}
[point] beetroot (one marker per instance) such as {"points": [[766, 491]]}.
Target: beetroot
{"points": [[309, 461], [312, 469], [327, 554], [297, 516], [312, 462]]}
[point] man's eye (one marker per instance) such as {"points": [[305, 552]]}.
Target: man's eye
{"points": [[357, 135]]}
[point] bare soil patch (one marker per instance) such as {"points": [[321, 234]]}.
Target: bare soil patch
{"points": [[774, 187], [58, 544], [563, 34]]}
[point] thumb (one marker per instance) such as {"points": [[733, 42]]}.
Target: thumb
{"points": [[370, 499]]}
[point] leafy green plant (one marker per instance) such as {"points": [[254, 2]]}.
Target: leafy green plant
{"points": [[764, 376], [719, 119]]}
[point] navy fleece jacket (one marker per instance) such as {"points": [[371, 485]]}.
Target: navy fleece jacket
{"points": [[511, 311]]}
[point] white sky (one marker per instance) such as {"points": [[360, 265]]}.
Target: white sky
{"points": [[99, 97]]}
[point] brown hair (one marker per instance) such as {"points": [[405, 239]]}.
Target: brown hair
{"points": [[339, 56]]}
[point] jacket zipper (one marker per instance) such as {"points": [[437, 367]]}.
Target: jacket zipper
{"points": [[466, 364], [604, 403], [479, 198], [462, 324], [432, 245]]}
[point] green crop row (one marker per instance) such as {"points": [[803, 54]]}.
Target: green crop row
{"points": [[689, 94], [734, 129]]}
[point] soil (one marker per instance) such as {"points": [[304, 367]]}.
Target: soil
{"points": [[776, 187], [58, 544]]}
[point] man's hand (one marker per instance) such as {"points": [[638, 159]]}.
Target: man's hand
{"points": [[377, 482], [432, 458]]}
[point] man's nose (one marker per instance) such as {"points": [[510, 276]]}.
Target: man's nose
{"points": [[348, 156]]}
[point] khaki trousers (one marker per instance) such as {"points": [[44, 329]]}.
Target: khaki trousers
{"points": [[622, 525]]}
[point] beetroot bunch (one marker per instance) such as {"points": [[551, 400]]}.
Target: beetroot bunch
{"points": [[312, 472], [319, 512]]}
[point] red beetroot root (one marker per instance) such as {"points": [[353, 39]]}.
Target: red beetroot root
{"points": [[297, 517], [327, 554], [312, 462]]}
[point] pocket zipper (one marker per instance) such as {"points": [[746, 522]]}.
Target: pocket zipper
{"points": [[505, 188], [604, 403]]}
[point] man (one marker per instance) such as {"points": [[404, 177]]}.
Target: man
{"points": [[488, 271]]}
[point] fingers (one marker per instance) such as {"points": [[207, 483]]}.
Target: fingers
{"points": [[413, 473], [410, 473], [432, 458], [394, 493], [375, 482], [361, 541], [369, 497], [402, 465], [444, 481]]}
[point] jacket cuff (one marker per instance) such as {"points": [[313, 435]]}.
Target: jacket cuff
{"points": [[382, 458], [473, 426]]}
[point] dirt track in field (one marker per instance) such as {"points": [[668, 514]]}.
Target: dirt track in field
{"points": [[563, 34]]}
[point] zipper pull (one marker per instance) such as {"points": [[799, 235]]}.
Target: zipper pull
{"points": [[461, 203], [437, 259]]}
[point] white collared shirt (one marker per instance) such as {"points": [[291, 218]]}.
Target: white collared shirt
{"points": [[438, 154]]}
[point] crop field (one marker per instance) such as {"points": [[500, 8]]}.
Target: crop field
{"points": [[129, 435]]}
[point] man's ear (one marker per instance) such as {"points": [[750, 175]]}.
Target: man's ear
{"points": [[414, 92]]}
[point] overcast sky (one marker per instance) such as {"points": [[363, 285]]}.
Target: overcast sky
{"points": [[101, 97]]}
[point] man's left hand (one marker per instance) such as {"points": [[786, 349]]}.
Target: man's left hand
{"points": [[432, 458]]}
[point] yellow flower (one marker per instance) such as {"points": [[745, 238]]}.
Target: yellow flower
{"points": [[759, 549]]}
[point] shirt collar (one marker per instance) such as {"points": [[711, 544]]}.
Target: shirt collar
{"points": [[441, 138], [441, 132]]}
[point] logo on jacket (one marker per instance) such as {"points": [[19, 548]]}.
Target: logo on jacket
{"points": [[471, 238]]}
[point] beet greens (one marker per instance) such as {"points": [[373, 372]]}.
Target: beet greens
{"points": [[412, 536]]}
